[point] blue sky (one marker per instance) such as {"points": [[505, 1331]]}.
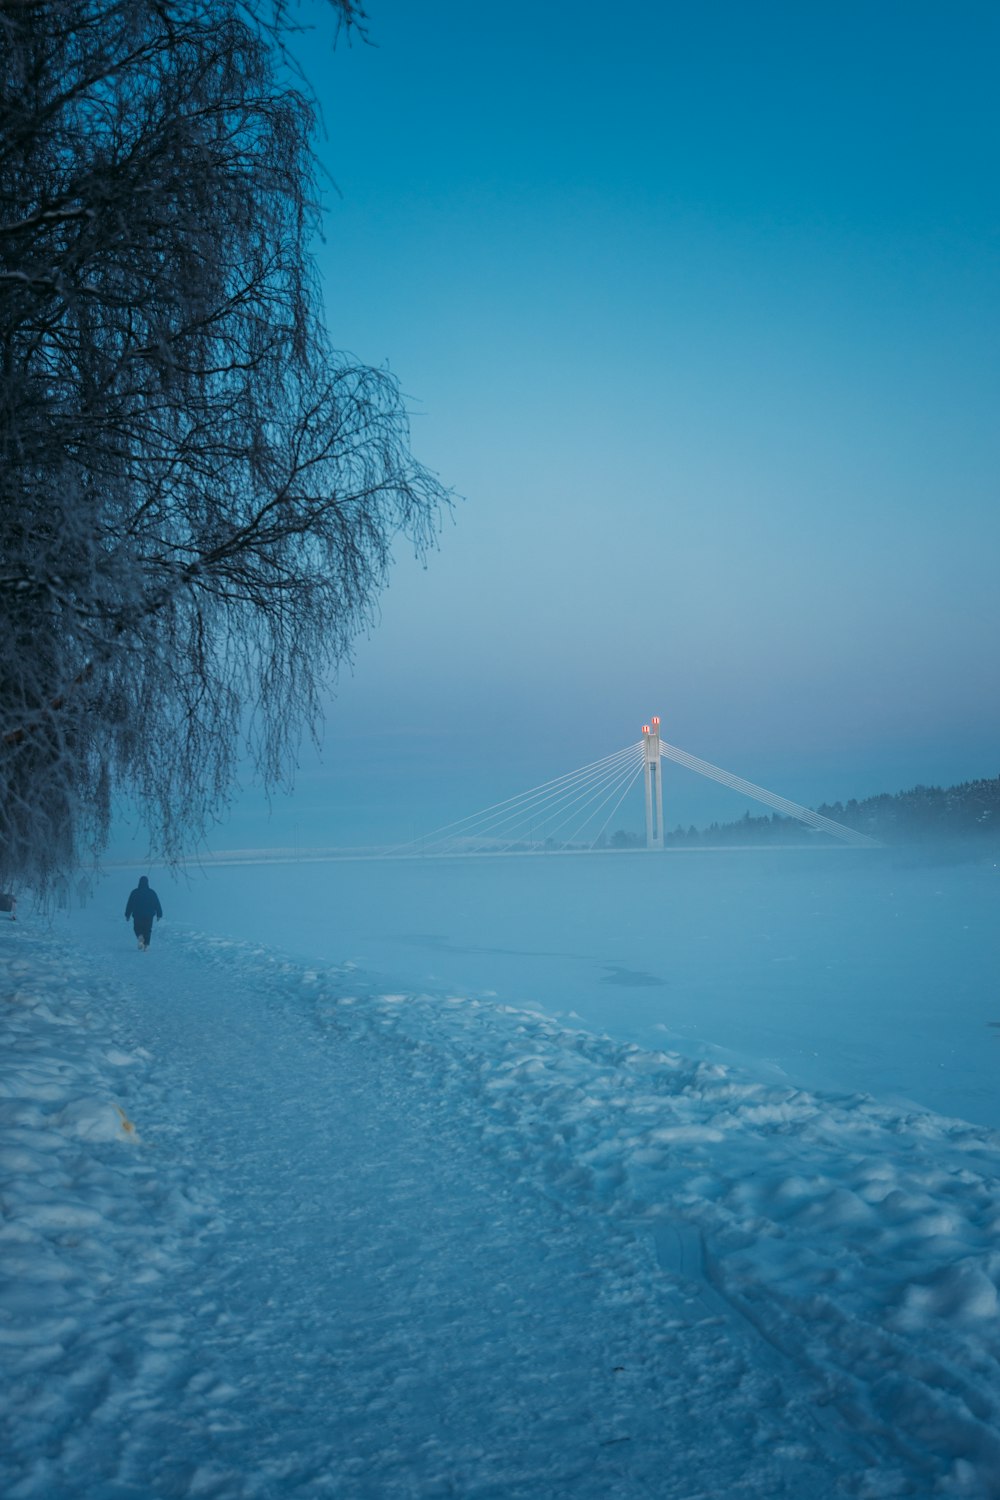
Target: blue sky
{"points": [[696, 306]]}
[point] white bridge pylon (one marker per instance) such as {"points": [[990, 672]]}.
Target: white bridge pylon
{"points": [[574, 812]]}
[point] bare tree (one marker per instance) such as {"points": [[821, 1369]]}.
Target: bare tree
{"points": [[198, 495]]}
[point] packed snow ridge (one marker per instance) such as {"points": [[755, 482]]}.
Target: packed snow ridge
{"points": [[274, 1230]]}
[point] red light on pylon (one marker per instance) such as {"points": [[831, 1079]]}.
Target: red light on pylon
{"points": [[656, 721], [645, 728]]}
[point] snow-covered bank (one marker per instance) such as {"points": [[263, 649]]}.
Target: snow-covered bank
{"points": [[861, 1243], [371, 1242]]}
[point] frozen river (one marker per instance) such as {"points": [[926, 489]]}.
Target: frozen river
{"points": [[842, 970]]}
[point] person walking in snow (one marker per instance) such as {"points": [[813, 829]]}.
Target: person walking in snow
{"points": [[143, 906]]}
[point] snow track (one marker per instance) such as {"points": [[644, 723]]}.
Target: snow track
{"points": [[377, 1244]]}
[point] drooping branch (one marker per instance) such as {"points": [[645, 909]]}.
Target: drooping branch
{"points": [[198, 494]]}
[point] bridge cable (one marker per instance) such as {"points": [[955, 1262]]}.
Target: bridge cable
{"points": [[533, 805], [593, 789], [513, 805], [541, 807], [631, 782], [771, 799], [615, 782]]}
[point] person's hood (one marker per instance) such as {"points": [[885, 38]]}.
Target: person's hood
{"points": [[143, 882]]}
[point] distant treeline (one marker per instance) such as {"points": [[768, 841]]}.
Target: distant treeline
{"points": [[968, 811]]}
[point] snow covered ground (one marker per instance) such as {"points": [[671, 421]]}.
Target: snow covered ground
{"points": [[276, 1224]]}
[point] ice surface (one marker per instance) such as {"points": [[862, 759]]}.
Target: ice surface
{"points": [[842, 970]]}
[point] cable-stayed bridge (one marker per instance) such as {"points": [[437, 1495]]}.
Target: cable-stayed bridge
{"points": [[574, 812], [571, 814]]}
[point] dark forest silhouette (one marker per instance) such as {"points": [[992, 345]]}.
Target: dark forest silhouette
{"points": [[968, 811]]}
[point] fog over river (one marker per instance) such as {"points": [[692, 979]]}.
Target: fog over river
{"points": [[843, 970]]}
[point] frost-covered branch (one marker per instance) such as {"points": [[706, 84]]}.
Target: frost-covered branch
{"points": [[198, 495]]}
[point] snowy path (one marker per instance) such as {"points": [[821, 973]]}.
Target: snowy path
{"points": [[376, 1306], [392, 1246]]}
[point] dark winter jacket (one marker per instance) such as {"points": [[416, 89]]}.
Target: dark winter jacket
{"points": [[144, 904]]}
